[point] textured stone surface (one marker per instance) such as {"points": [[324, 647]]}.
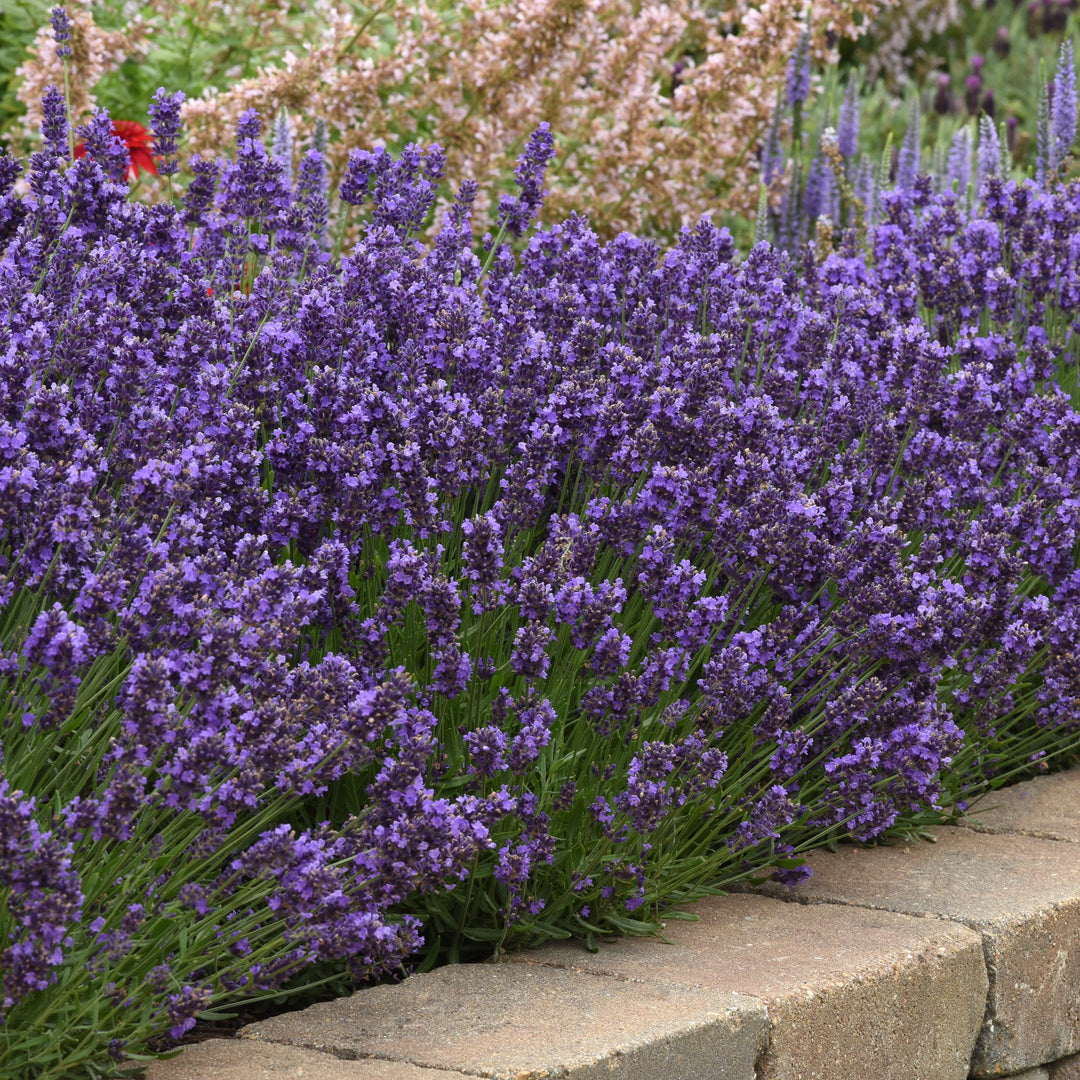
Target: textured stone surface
{"points": [[851, 993], [1031, 1074], [1021, 893], [519, 1022], [1048, 806], [235, 1059], [1065, 1069]]}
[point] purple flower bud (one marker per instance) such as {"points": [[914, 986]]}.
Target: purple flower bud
{"points": [[943, 97], [972, 93], [1011, 124], [1002, 45], [676, 74]]}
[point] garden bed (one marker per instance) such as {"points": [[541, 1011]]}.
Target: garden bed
{"points": [[382, 604]]}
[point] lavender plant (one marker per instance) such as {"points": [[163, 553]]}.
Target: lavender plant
{"points": [[843, 188], [431, 600]]}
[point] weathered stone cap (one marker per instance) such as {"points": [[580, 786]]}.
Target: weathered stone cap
{"points": [[850, 993], [1021, 893], [235, 1059], [514, 1022], [1047, 806]]}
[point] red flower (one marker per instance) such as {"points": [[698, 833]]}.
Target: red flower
{"points": [[138, 142]]}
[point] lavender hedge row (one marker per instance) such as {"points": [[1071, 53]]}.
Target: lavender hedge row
{"points": [[424, 598]]}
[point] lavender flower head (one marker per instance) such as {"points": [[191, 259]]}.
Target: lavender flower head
{"points": [[200, 193], [847, 125], [1043, 149], [958, 161], [54, 123], [990, 159], [1063, 104], [165, 125], [248, 127], [798, 71], [516, 213], [282, 146], [907, 165], [772, 154], [105, 147], [61, 27]]}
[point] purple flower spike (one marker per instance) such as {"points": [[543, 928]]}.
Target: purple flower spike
{"points": [[798, 71], [61, 27], [200, 193], [847, 126], [1063, 104], [165, 121], [516, 213], [907, 166], [958, 162], [249, 126], [282, 146], [990, 162], [772, 153], [105, 147], [54, 124]]}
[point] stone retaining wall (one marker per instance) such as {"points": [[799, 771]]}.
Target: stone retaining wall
{"points": [[918, 961]]}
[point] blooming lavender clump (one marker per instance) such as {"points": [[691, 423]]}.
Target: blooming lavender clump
{"points": [[361, 611], [165, 125]]}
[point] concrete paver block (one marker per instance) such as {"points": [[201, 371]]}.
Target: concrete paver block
{"points": [[236, 1059], [850, 993], [1021, 893], [1047, 806], [519, 1022]]}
